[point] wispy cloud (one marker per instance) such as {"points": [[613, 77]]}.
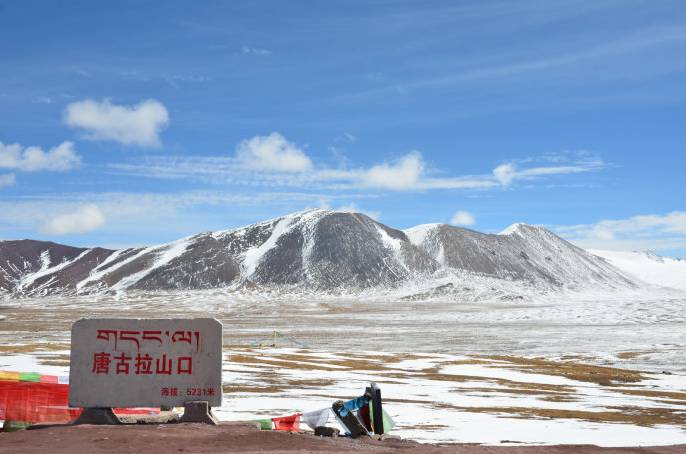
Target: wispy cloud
{"points": [[411, 173], [248, 50], [274, 161], [657, 232], [565, 61], [508, 173], [175, 80], [140, 124], [129, 212], [42, 100], [31, 159], [86, 218]]}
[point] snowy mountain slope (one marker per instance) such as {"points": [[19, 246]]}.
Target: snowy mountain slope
{"points": [[316, 249], [325, 250], [521, 252], [28, 266], [648, 267]]}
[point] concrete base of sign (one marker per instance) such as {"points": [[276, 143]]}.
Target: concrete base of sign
{"points": [[198, 411], [164, 417], [97, 416]]}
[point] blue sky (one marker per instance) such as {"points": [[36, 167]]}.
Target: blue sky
{"points": [[127, 123]]}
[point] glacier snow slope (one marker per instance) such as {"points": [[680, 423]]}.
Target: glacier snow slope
{"points": [[648, 267]]}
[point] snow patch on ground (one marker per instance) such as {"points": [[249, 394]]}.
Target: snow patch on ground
{"points": [[429, 406], [447, 389]]}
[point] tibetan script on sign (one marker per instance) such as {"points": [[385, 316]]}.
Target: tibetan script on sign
{"points": [[137, 362]]}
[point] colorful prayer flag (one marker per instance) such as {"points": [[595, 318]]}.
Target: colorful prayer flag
{"points": [[316, 418], [265, 424], [288, 423]]}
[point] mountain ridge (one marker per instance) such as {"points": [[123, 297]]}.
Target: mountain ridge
{"points": [[317, 250]]}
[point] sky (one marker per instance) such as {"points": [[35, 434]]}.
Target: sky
{"points": [[138, 122]]}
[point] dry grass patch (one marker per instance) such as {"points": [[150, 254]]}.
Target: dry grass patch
{"points": [[348, 362], [462, 362], [506, 385], [554, 396], [540, 387], [601, 375], [267, 389], [626, 415], [54, 362], [32, 348], [306, 362], [429, 426], [577, 358], [678, 397], [258, 361], [630, 355], [559, 398]]}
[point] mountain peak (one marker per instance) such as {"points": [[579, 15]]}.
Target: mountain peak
{"points": [[522, 229]]}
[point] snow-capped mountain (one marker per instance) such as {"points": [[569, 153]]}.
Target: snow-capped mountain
{"points": [[648, 267], [317, 250], [520, 252]]}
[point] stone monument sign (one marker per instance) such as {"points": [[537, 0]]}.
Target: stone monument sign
{"points": [[145, 362]]}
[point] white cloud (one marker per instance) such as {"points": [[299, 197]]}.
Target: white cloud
{"points": [[255, 51], [463, 218], [466, 182], [405, 174], [350, 138], [353, 208], [130, 125], [655, 232], [86, 219], [272, 153], [30, 159], [402, 175], [8, 179], [345, 138], [506, 174], [274, 161], [131, 216]]}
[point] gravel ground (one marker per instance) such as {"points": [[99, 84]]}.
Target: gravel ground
{"points": [[233, 438]]}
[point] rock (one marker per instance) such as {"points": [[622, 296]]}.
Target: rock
{"points": [[323, 431]]}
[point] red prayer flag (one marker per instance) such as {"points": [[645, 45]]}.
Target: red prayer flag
{"points": [[44, 402], [288, 423]]}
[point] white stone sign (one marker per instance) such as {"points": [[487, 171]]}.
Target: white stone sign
{"points": [[145, 362]]}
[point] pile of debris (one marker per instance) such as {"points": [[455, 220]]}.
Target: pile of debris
{"points": [[362, 416]]}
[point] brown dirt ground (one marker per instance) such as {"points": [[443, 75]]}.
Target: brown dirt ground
{"points": [[233, 438]]}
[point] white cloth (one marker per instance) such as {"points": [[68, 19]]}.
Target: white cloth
{"points": [[316, 418]]}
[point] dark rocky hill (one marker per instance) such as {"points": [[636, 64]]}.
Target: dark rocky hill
{"points": [[316, 250]]}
